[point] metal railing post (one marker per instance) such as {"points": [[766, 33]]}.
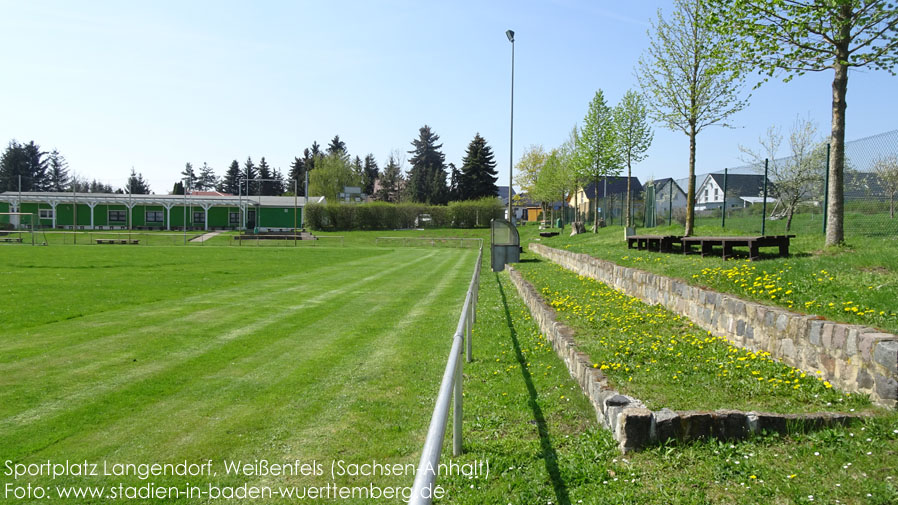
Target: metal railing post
{"points": [[468, 323]]}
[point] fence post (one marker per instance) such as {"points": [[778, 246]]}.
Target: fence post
{"points": [[826, 191], [723, 218], [468, 330], [670, 204], [764, 206]]}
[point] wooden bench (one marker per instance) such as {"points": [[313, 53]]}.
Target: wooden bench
{"points": [[17, 240], [754, 243], [660, 243], [117, 241]]}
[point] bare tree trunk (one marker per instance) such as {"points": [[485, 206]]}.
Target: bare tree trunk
{"points": [[595, 209], [892, 206], [690, 193], [789, 219], [835, 231], [629, 176]]}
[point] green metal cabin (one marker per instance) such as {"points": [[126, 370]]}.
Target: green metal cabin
{"points": [[104, 211]]}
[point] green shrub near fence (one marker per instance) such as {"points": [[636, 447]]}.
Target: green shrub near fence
{"points": [[390, 216]]}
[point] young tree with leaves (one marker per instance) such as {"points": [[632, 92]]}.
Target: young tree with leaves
{"points": [[332, 173], [529, 167], [681, 73], [427, 177], [634, 135], [599, 148], [886, 169], [793, 37], [478, 171], [796, 177]]}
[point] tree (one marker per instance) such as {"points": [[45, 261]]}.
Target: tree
{"points": [[264, 176], [572, 167], [370, 174], [57, 172], [454, 180], [531, 163], [249, 174], [298, 173], [359, 170], [207, 179], [886, 169], [478, 171], [796, 177], [427, 177], [177, 188], [390, 181], [634, 135], [80, 184], [799, 36], [337, 146], [332, 173], [137, 185], [598, 150], [555, 180], [13, 168], [36, 167], [278, 186], [188, 175], [230, 183], [682, 73]]}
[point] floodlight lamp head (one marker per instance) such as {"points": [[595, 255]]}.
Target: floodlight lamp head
{"points": [[510, 35]]}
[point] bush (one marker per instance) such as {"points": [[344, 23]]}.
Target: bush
{"points": [[390, 216]]}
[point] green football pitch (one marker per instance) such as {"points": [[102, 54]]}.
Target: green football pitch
{"points": [[165, 355]]}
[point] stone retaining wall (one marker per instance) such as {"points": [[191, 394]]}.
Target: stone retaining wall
{"points": [[633, 425], [854, 358]]}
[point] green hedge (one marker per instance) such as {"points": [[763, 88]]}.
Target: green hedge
{"points": [[390, 216]]}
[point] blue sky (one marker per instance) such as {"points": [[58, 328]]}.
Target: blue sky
{"points": [[156, 84]]}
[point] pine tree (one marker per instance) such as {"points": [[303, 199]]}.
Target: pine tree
{"points": [[178, 188], [478, 171], [266, 186], [12, 166], [337, 146], [390, 182], [230, 183], [58, 172], [189, 176], [137, 185], [278, 187], [427, 177], [298, 173], [454, 178], [358, 170], [249, 174], [369, 175], [207, 179]]}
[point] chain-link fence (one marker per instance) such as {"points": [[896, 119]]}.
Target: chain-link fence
{"points": [[795, 188]]}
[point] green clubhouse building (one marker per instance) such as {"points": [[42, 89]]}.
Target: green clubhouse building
{"points": [[196, 211]]}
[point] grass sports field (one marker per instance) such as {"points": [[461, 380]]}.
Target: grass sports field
{"points": [[135, 355]]}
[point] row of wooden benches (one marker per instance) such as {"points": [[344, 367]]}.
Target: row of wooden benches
{"points": [[685, 245]]}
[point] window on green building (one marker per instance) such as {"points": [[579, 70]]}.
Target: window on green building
{"points": [[118, 216], [154, 216], [199, 217]]}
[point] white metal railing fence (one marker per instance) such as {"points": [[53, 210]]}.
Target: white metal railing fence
{"points": [[460, 242], [450, 387]]}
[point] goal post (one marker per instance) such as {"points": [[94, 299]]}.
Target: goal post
{"points": [[17, 227]]}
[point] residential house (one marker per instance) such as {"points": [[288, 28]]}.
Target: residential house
{"points": [[709, 195], [611, 192]]}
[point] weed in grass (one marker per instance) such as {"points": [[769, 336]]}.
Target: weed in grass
{"points": [[664, 360]]}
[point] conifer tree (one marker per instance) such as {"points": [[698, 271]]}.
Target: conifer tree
{"points": [[478, 171], [427, 177]]}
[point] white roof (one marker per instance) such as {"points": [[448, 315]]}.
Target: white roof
{"points": [[164, 200]]}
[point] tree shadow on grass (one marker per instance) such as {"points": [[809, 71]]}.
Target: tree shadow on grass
{"points": [[550, 457]]}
